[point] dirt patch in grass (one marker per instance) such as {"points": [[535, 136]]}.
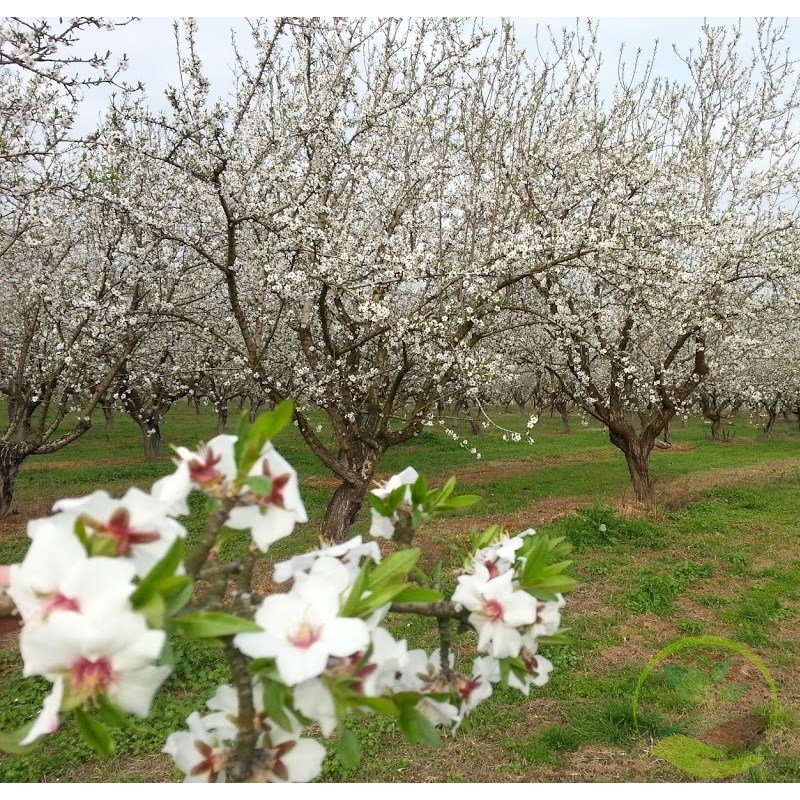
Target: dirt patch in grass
{"points": [[641, 636], [147, 767], [23, 511], [489, 470], [598, 763], [36, 465], [458, 529], [680, 492]]}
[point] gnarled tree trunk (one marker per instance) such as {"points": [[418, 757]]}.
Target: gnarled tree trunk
{"points": [[11, 458], [342, 510], [347, 500], [637, 455]]}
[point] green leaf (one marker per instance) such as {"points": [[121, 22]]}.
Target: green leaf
{"points": [[702, 760], [379, 504], [392, 567], [263, 429], [80, 532], [167, 655], [417, 728], [275, 701], [110, 713], [536, 556], [395, 499], [94, 733], [241, 438], [461, 501], [102, 546], [210, 624], [10, 742], [444, 492], [259, 484], [381, 705], [165, 568], [415, 594], [179, 596], [154, 611], [348, 750], [419, 491], [351, 605]]}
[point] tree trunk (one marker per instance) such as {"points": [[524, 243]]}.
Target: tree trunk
{"points": [[639, 467], [342, 510], [253, 413], [716, 423], [10, 462], [637, 456], [771, 415], [222, 419], [151, 438], [667, 434], [349, 497], [563, 410], [108, 414]]}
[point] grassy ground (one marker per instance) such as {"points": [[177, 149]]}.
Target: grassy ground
{"points": [[721, 555]]}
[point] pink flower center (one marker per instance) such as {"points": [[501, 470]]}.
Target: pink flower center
{"points": [[279, 482], [466, 687], [119, 529], [59, 602], [529, 659], [493, 610], [204, 472], [491, 568], [91, 677], [305, 636]]}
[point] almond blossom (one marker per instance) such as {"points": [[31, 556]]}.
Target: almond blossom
{"points": [[113, 656], [135, 527], [498, 610], [302, 630], [269, 516], [58, 575], [349, 553], [200, 753], [381, 526], [49, 718]]}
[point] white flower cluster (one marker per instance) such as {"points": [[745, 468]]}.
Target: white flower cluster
{"points": [[73, 591], [268, 507], [508, 619], [205, 750]]}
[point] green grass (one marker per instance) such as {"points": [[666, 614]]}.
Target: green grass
{"points": [[733, 556]]}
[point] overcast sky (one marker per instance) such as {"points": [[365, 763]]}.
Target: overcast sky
{"points": [[150, 47]]}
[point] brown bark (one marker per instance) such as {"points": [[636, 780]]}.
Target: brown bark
{"points": [[11, 459], [637, 451], [151, 437], [342, 510]]}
